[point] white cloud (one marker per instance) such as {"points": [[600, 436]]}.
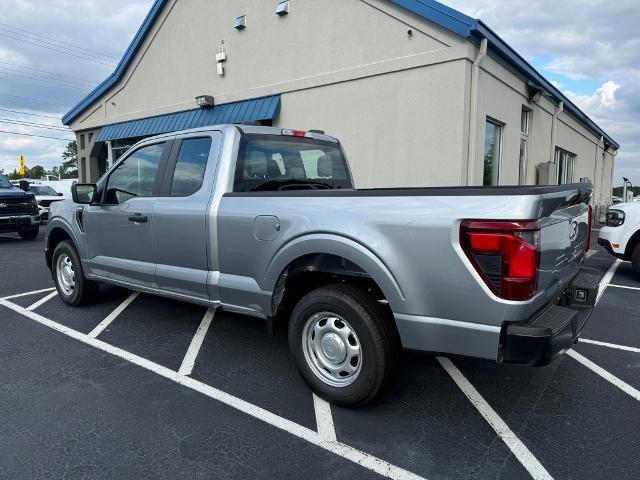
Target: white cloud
{"points": [[603, 98], [594, 41]]}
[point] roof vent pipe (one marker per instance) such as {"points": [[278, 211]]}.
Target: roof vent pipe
{"points": [[473, 110]]}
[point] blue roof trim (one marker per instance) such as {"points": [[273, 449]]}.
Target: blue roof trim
{"points": [[468, 27], [265, 108], [118, 73]]}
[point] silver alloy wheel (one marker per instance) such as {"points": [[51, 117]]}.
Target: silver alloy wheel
{"points": [[332, 349], [65, 275]]}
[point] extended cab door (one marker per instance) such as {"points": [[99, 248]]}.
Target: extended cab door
{"points": [[183, 217], [119, 230]]}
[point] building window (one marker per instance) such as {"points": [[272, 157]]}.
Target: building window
{"points": [[565, 163], [525, 122], [82, 146], [90, 137], [492, 153], [83, 177]]}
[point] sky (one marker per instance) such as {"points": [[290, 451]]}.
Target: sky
{"points": [[53, 52]]}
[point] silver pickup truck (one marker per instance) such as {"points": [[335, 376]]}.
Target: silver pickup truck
{"points": [[266, 222]]}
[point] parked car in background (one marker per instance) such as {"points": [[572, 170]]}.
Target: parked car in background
{"points": [[266, 222], [621, 235], [50, 178], [18, 211], [45, 196]]}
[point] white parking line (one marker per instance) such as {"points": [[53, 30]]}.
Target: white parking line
{"points": [[24, 294], [519, 450], [42, 300], [610, 345], [625, 387], [591, 253], [324, 419], [604, 283], [624, 286], [196, 343], [359, 457], [113, 315]]}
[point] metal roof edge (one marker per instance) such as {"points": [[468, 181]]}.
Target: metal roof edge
{"points": [[507, 53], [124, 63], [447, 17], [471, 28]]}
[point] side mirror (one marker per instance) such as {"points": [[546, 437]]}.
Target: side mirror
{"points": [[24, 185], [83, 193], [60, 194]]}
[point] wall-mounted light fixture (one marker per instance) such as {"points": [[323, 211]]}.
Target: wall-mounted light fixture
{"points": [[240, 23], [283, 8], [204, 101]]}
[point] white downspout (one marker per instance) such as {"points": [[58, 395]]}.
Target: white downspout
{"points": [[473, 111], [559, 110]]}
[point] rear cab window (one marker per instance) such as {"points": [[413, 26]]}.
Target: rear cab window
{"points": [[279, 163]]}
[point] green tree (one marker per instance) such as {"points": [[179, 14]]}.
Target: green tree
{"points": [[69, 167], [37, 172]]}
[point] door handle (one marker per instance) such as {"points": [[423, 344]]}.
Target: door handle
{"points": [[138, 218]]}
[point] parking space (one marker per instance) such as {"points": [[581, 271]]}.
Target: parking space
{"points": [[137, 386]]}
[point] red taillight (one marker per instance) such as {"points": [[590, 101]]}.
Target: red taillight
{"points": [[588, 244], [505, 254]]}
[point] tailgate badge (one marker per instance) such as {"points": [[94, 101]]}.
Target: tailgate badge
{"points": [[573, 231], [3, 205]]}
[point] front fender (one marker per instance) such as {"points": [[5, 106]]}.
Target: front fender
{"points": [[59, 223], [341, 246]]}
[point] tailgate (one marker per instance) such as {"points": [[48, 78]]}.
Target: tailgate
{"points": [[564, 236]]}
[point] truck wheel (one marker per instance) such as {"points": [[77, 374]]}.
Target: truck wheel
{"points": [[344, 344], [71, 284], [29, 234]]}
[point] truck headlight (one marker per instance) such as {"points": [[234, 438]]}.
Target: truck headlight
{"points": [[615, 218]]}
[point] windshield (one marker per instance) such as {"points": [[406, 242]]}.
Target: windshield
{"points": [[277, 163], [42, 190], [4, 182]]}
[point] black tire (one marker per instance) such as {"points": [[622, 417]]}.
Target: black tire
{"points": [[377, 334], [30, 234], [635, 259], [84, 291]]}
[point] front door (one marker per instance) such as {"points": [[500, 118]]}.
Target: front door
{"points": [[119, 231]]}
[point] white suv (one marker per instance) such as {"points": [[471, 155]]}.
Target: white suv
{"points": [[621, 236]]}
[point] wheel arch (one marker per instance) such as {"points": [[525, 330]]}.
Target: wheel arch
{"points": [[57, 233], [631, 244], [331, 255]]}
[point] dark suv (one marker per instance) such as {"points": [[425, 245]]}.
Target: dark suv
{"points": [[18, 211]]}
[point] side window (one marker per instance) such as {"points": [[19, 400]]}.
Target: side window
{"points": [[190, 166], [135, 176]]}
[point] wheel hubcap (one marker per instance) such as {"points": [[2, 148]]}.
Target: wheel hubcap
{"points": [[332, 349], [65, 275]]}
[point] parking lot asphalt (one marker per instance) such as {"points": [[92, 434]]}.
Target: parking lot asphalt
{"points": [[115, 390]]}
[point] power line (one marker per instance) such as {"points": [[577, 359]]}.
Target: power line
{"points": [[46, 73], [39, 136], [41, 100], [55, 49], [11, 27], [33, 77], [28, 113], [34, 125]]}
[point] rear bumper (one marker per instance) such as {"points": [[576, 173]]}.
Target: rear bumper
{"points": [[554, 329], [19, 223]]}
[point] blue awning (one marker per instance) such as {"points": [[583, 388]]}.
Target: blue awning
{"points": [[256, 109]]}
